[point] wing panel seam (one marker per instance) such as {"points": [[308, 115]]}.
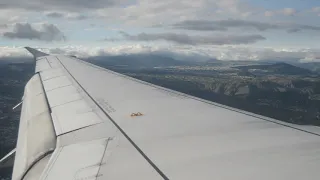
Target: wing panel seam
{"points": [[201, 100], [120, 129], [45, 93]]}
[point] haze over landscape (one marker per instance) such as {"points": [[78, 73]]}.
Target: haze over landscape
{"points": [[262, 56]]}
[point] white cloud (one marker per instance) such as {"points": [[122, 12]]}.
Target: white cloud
{"points": [[195, 39], [154, 12], [284, 12], [3, 26], [73, 5], [150, 13], [6, 51], [200, 53], [316, 9], [180, 52], [269, 13], [225, 25], [237, 7], [288, 11], [13, 16], [144, 12]]}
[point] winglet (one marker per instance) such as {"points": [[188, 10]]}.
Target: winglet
{"points": [[36, 53]]}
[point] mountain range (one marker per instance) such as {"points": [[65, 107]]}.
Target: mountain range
{"points": [[151, 61]]}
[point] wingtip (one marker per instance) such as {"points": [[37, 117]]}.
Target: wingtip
{"points": [[35, 52]]}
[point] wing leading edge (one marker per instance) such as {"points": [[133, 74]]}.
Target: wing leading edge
{"points": [[175, 136]]}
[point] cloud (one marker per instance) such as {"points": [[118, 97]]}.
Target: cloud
{"points": [[284, 11], [9, 16], [288, 11], [55, 14], [195, 39], [137, 12], [269, 13], [75, 16], [69, 16], [74, 5], [225, 25], [222, 25], [154, 12], [191, 53], [6, 51], [3, 26], [200, 25], [48, 32], [143, 12], [297, 28], [316, 9]]}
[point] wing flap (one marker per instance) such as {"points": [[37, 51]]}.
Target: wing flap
{"points": [[52, 73], [77, 161], [122, 161], [71, 109], [42, 65]]}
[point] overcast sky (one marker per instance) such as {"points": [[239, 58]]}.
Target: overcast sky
{"points": [[222, 29]]}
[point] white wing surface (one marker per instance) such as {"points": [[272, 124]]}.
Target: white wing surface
{"points": [[80, 121]]}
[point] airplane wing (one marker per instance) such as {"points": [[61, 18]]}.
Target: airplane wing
{"points": [[83, 122]]}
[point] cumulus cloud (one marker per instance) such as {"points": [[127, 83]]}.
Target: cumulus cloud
{"points": [[199, 15], [195, 39], [191, 53], [14, 52], [48, 32], [224, 25]]}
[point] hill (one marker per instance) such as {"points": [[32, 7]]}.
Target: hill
{"points": [[277, 68], [136, 61]]}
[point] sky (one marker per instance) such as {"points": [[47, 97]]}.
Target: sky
{"points": [[222, 29]]}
